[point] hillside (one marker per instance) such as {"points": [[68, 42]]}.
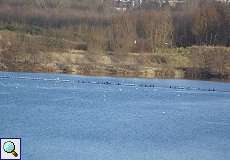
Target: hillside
{"points": [[91, 38], [192, 63]]}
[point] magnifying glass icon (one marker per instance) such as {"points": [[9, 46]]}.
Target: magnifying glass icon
{"points": [[9, 147]]}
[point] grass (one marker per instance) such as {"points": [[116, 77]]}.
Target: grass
{"points": [[47, 54]]}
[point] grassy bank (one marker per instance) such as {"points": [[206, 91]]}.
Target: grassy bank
{"points": [[18, 53]]}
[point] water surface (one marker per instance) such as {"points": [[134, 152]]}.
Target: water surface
{"points": [[100, 118]]}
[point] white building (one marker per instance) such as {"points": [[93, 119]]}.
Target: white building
{"points": [[126, 4], [123, 5], [175, 2]]}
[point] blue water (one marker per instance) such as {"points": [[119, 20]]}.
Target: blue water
{"points": [[100, 118]]}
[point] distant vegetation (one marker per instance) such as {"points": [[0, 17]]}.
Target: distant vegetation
{"points": [[35, 27], [202, 23]]}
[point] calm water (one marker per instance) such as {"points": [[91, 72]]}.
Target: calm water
{"points": [[89, 118]]}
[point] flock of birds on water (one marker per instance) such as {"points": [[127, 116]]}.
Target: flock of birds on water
{"points": [[117, 84]]}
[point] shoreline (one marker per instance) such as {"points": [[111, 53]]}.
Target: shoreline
{"points": [[118, 76]]}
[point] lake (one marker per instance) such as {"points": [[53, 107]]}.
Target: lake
{"points": [[102, 118]]}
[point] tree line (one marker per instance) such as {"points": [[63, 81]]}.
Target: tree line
{"points": [[102, 28]]}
